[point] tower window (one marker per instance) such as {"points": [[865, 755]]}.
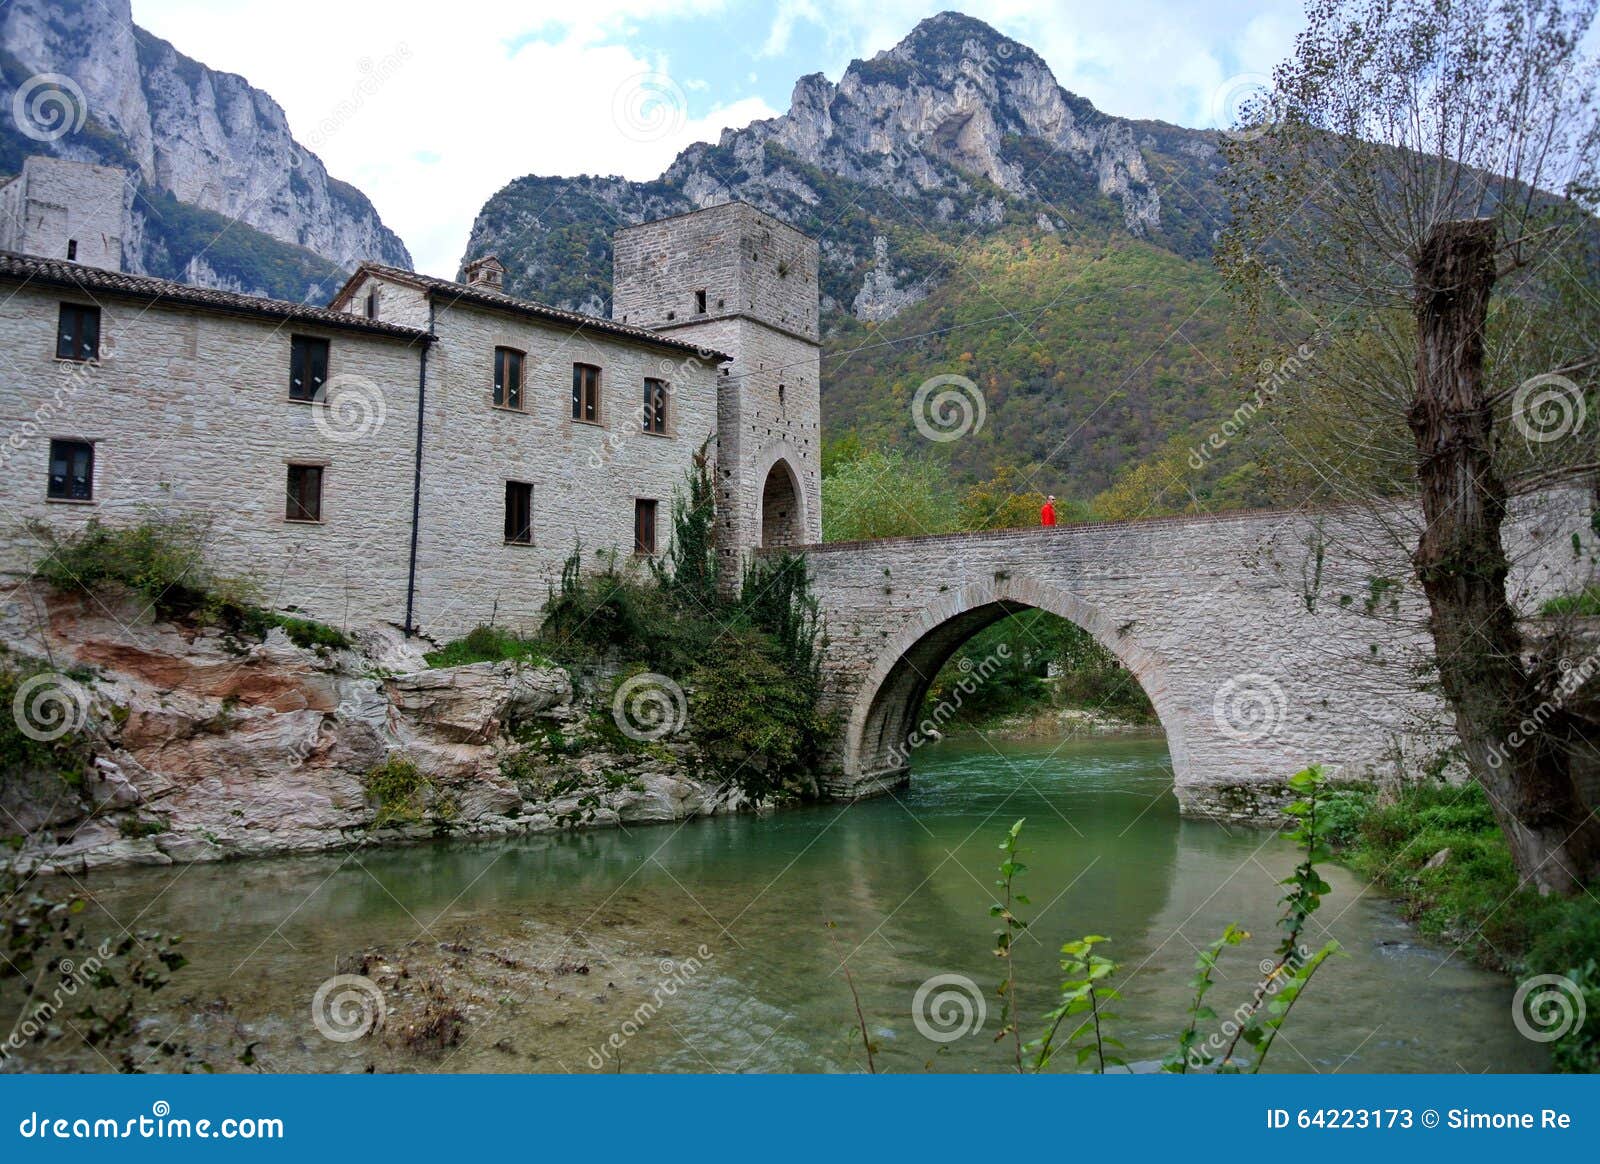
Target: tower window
{"points": [[71, 471], [644, 526], [72, 249], [586, 393], [304, 495], [308, 366], [655, 406], [372, 304], [519, 513], [78, 333], [507, 378], [700, 302]]}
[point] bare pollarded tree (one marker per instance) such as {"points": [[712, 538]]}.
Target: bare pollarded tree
{"points": [[1418, 192]]}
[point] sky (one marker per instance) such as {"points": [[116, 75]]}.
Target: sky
{"points": [[430, 108]]}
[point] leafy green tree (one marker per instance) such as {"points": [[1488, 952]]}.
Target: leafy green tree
{"points": [[883, 494]]}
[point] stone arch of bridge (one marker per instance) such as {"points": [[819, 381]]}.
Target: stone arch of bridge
{"points": [[886, 718]]}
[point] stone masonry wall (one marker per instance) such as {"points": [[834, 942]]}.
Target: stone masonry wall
{"points": [[189, 415], [54, 201], [1266, 641]]}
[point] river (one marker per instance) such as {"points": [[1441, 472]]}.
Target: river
{"points": [[706, 946]]}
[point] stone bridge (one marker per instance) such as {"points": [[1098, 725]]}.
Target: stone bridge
{"points": [[1265, 640]]}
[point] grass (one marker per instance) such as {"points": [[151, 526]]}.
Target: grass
{"points": [[487, 644], [1473, 898], [1587, 602]]}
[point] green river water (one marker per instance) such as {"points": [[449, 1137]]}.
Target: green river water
{"points": [[558, 940]]}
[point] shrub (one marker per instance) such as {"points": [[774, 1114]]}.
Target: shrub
{"points": [[67, 758], [485, 644], [309, 635], [1584, 603], [403, 793]]}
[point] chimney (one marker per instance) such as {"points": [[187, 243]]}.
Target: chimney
{"points": [[485, 272]]}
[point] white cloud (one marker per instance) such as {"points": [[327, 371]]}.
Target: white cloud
{"points": [[467, 104]]}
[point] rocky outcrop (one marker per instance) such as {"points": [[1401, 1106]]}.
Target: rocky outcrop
{"points": [[956, 130], [198, 746], [208, 138]]}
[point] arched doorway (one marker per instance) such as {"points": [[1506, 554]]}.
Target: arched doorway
{"points": [[886, 723], [782, 523]]}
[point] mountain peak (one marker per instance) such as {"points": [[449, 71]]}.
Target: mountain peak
{"points": [[950, 34]]}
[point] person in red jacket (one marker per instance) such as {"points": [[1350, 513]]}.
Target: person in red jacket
{"points": [[1047, 515]]}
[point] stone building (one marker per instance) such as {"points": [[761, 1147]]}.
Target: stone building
{"points": [[422, 452]]}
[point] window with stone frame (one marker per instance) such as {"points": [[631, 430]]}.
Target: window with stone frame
{"points": [[71, 471], [586, 393], [656, 394], [644, 525], [308, 366], [519, 513], [78, 332], [508, 378], [303, 501]]}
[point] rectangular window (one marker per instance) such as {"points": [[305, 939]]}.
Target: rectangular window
{"points": [[655, 406], [507, 378], [308, 366], [519, 513], [700, 302], [644, 526], [78, 333], [304, 501], [71, 471], [586, 393]]}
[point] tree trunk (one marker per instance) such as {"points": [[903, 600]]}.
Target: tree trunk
{"points": [[1517, 740]]}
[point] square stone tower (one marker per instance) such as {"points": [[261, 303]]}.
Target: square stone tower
{"points": [[739, 281], [60, 209]]}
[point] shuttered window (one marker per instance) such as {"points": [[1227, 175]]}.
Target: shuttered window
{"points": [[304, 501], [507, 378], [78, 333], [644, 526], [308, 366], [519, 513]]}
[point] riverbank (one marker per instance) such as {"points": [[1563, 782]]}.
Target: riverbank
{"points": [[1051, 722], [1438, 851]]}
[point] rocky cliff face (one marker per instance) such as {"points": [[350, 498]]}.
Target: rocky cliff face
{"points": [[197, 747], [208, 139], [957, 130]]}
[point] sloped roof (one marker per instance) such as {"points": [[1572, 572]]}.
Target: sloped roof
{"points": [[31, 270]]}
